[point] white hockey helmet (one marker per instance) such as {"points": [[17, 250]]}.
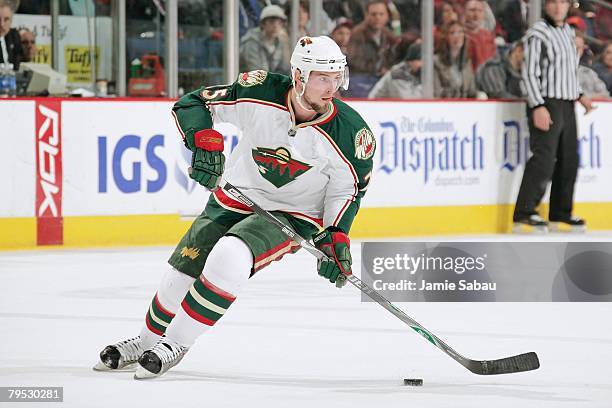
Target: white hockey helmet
{"points": [[318, 54]]}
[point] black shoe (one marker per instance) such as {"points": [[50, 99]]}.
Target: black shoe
{"points": [[570, 224], [534, 220], [572, 220], [530, 223]]}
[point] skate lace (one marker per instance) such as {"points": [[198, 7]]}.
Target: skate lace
{"points": [[536, 217], [130, 349], [168, 352]]}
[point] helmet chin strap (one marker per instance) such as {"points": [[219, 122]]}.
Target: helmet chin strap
{"points": [[298, 97]]}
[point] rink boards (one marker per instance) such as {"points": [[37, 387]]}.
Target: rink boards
{"points": [[113, 172]]}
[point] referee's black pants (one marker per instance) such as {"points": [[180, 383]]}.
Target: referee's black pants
{"points": [[555, 157]]}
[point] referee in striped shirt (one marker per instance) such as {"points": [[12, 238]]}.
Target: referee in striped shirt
{"points": [[550, 73]]}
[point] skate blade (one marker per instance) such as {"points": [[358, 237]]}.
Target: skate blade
{"points": [[520, 228], [564, 228], [101, 367], [144, 374]]}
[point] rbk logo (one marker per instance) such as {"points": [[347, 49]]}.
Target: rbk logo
{"points": [[277, 166]]}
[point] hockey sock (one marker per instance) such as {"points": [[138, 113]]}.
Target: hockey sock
{"points": [[227, 269], [164, 305]]}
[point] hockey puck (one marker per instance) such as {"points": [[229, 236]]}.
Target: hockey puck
{"points": [[415, 382]]}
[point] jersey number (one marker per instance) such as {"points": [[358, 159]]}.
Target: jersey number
{"points": [[210, 94]]}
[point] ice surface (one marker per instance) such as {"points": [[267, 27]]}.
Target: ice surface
{"points": [[290, 340]]}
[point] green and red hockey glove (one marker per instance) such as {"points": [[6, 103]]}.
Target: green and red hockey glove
{"points": [[336, 245], [208, 161]]}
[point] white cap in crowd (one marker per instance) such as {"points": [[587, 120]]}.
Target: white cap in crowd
{"points": [[272, 11]]}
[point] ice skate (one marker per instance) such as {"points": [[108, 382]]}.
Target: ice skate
{"points": [[120, 355], [163, 356], [572, 224], [531, 224]]}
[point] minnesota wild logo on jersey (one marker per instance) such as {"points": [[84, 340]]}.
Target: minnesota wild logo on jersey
{"points": [[277, 166], [252, 78]]}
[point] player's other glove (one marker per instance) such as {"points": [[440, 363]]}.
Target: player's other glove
{"points": [[336, 245], [207, 162]]}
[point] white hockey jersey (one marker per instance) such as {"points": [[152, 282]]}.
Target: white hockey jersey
{"points": [[316, 171]]}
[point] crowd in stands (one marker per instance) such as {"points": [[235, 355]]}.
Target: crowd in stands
{"points": [[478, 45]]}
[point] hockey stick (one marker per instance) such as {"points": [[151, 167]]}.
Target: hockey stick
{"points": [[522, 362]]}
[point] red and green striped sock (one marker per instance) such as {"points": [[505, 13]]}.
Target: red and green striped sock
{"points": [[205, 302], [158, 318]]}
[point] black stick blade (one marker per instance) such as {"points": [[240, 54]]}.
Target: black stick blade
{"points": [[514, 364]]}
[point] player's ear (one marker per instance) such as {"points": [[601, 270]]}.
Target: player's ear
{"points": [[298, 79], [297, 74]]}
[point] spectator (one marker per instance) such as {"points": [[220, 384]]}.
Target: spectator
{"points": [[34, 7], [304, 22], [28, 43], [370, 49], [453, 75], [592, 86], [403, 80], [481, 42], [10, 42], [347, 9], [249, 12], [444, 15], [604, 66], [603, 23], [513, 19], [587, 13], [342, 35], [406, 20], [501, 77], [266, 47], [303, 17], [577, 23], [488, 22]]}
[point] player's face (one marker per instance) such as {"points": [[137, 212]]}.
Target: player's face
{"points": [[320, 88]]}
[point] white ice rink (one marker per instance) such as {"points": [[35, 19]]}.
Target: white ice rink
{"points": [[290, 340]]}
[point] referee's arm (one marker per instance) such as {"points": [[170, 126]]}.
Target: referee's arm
{"points": [[532, 72], [532, 76]]}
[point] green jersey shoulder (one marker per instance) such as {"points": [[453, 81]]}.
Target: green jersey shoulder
{"points": [[352, 136], [253, 85]]}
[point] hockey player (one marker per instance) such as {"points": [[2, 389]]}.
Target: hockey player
{"points": [[304, 155]]}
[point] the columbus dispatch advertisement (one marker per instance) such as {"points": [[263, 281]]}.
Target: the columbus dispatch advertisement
{"points": [[488, 271]]}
